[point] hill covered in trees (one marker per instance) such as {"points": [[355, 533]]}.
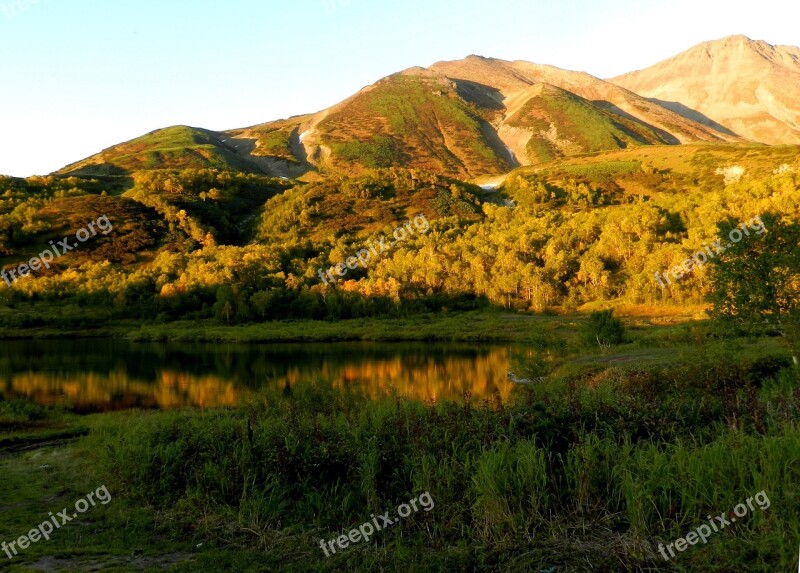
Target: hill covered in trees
{"points": [[210, 242]]}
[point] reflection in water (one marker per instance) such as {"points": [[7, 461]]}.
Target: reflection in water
{"points": [[100, 375]]}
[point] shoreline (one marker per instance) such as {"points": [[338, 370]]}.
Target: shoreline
{"points": [[482, 326]]}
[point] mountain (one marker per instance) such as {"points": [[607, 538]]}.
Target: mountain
{"points": [[477, 116], [516, 82], [466, 118], [411, 119], [749, 87], [558, 123]]}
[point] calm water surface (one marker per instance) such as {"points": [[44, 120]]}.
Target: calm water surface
{"points": [[102, 375]]}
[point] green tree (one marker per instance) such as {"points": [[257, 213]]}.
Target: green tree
{"points": [[603, 329], [224, 308], [756, 281]]}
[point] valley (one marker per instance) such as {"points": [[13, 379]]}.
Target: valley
{"points": [[547, 356]]}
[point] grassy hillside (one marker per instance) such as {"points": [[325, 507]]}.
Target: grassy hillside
{"points": [[469, 118], [163, 211], [178, 147], [697, 167], [511, 81], [278, 140], [564, 124], [413, 121]]}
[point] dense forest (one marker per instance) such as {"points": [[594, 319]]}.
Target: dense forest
{"points": [[239, 247]]}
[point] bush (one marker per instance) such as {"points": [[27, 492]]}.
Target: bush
{"points": [[603, 329]]}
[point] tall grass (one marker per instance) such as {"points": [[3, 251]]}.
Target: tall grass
{"points": [[615, 460]]}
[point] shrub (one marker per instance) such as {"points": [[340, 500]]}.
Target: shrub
{"points": [[603, 329]]}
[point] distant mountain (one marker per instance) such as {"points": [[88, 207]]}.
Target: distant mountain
{"points": [[752, 88]]}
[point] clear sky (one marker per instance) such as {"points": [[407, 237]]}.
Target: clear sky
{"points": [[81, 75]]}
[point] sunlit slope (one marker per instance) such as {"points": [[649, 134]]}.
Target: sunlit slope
{"points": [[561, 124], [466, 118], [178, 147], [749, 87]]}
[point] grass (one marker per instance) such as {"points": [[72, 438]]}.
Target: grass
{"points": [[276, 143], [675, 325], [604, 171], [475, 326], [377, 152], [177, 147], [595, 465]]}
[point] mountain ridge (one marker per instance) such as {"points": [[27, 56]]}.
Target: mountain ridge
{"points": [[478, 116]]}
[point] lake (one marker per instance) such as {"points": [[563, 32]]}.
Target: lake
{"points": [[91, 375]]}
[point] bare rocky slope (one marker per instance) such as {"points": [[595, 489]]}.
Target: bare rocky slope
{"points": [[750, 87]]}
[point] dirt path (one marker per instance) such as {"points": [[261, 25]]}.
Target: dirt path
{"points": [[15, 446]]}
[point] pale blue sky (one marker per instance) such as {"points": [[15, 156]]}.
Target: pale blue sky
{"points": [[81, 75]]}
